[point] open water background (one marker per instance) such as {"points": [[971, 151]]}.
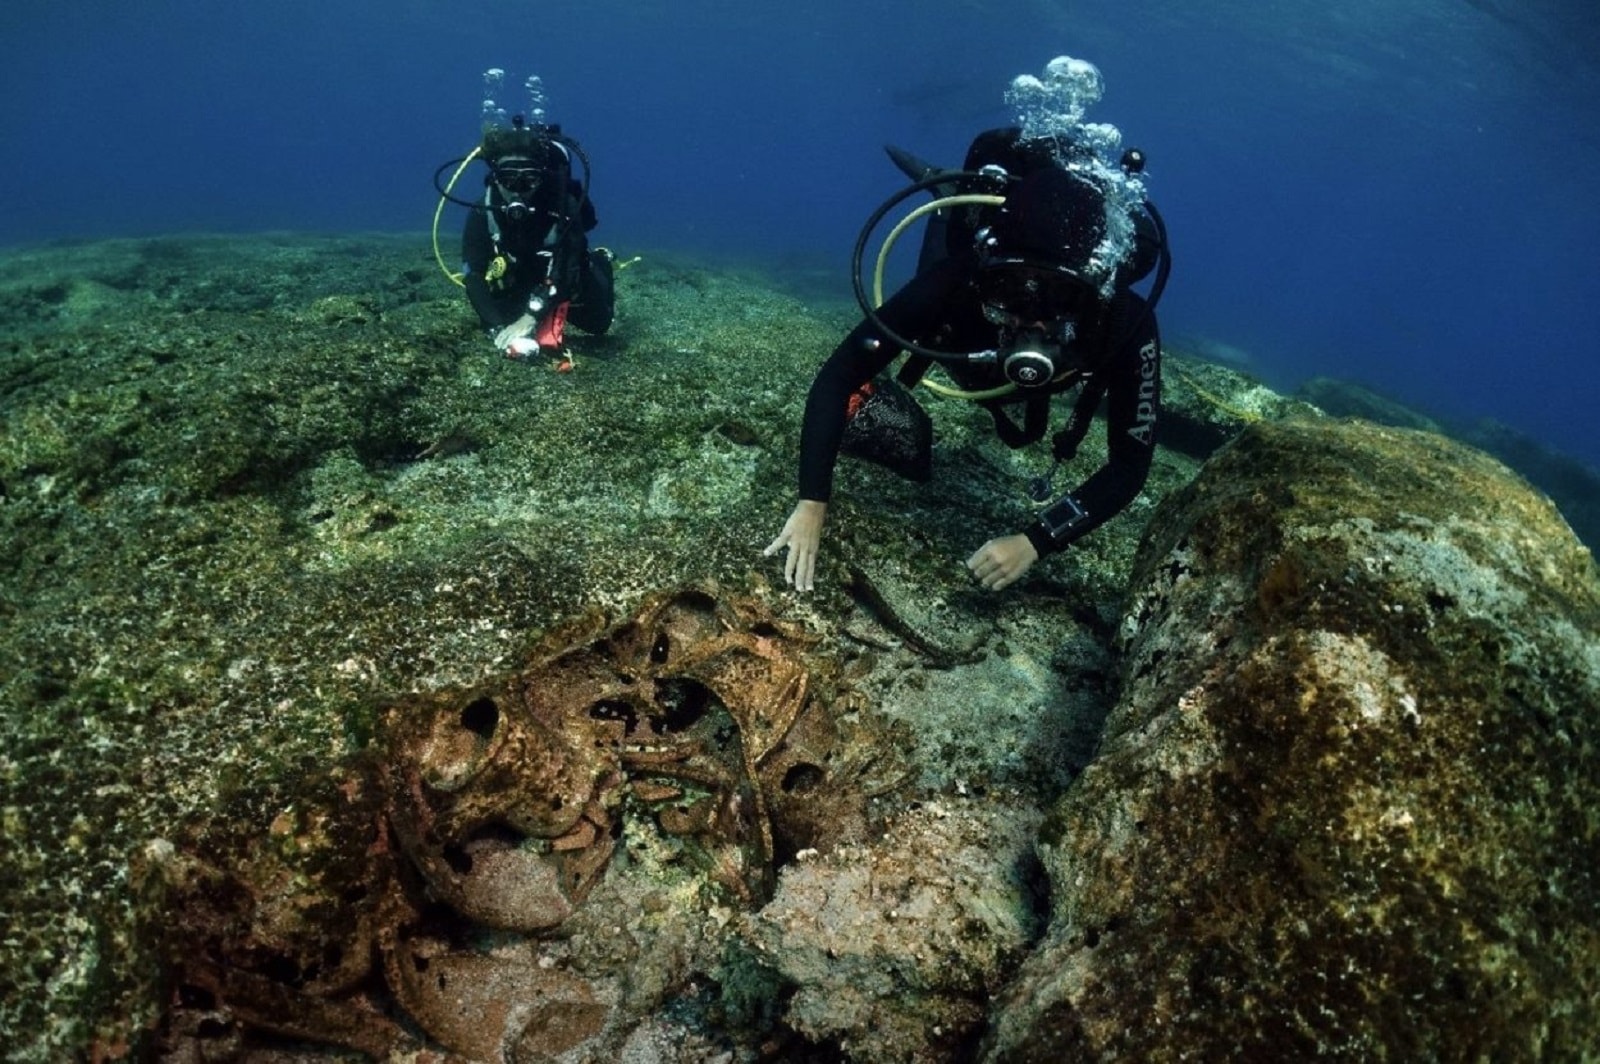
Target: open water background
{"points": [[1396, 192]]}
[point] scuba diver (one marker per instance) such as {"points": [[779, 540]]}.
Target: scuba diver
{"points": [[1022, 292], [527, 267]]}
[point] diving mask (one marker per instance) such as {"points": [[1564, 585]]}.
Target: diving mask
{"points": [[1018, 292], [519, 182]]}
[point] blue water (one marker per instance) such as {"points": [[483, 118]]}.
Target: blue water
{"points": [[1397, 192]]}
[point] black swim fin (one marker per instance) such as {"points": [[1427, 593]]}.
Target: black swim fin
{"points": [[933, 236], [914, 168]]}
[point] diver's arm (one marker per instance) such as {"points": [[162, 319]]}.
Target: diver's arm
{"points": [[587, 218], [1134, 410], [570, 261], [477, 248], [862, 355], [857, 359]]}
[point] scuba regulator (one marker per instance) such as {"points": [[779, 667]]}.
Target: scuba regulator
{"points": [[1039, 308], [1039, 311]]}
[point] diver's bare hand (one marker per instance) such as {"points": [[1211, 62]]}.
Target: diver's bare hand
{"points": [[1001, 562], [802, 534]]}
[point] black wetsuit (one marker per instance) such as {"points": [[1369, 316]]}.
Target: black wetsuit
{"points": [[939, 308], [541, 247]]}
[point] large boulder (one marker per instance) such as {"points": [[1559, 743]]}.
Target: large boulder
{"points": [[1572, 485], [1348, 802]]}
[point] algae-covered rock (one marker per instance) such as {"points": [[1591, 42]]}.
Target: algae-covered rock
{"points": [[893, 951], [1342, 398], [1347, 804], [273, 513], [255, 489], [281, 483], [1207, 403], [1573, 485]]}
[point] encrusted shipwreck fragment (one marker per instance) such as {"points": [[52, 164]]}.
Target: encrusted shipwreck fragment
{"points": [[421, 891]]}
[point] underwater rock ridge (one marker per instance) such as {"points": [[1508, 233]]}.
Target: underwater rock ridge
{"points": [[1333, 811], [1348, 800]]}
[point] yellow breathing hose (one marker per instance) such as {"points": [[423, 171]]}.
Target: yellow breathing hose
{"points": [[438, 212], [927, 208], [1246, 416], [883, 257]]}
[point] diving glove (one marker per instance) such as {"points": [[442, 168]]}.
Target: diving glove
{"points": [[522, 347], [520, 329]]}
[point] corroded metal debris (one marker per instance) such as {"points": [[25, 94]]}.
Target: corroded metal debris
{"points": [[407, 915]]}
